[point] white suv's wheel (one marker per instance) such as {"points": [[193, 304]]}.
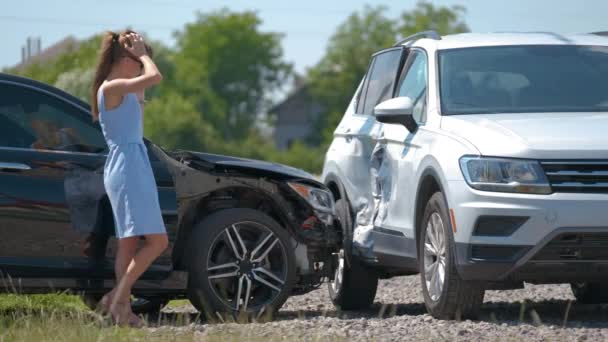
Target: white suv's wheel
{"points": [[446, 296], [354, 285], [434, 256]]}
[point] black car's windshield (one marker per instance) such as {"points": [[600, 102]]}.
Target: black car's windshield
{"points": [[524, 79]]}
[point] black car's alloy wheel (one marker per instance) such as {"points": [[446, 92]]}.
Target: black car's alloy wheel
{"points": [[244, 259], [240, 261]]}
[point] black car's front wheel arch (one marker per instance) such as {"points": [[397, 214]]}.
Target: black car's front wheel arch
{"points": [[195, 210]]}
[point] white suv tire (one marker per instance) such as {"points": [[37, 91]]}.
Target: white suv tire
{"points": [[446, 295], [354, 285]]}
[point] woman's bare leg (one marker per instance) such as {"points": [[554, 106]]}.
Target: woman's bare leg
{"points": [[127, 249], [154, 245]]}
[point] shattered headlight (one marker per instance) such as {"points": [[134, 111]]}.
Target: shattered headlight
{"points": [[321, 200], [505, 175]]}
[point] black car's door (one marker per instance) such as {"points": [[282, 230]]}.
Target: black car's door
{"points": [[51, 182]]}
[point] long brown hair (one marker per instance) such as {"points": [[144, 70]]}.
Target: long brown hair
{"points": [[112, 49]]}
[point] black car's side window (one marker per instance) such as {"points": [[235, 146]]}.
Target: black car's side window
{"points": [[33, 119], [381, 79], [413, 83]]}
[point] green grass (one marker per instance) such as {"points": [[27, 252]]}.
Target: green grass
{"points": [[61, 302], [64, 317]]}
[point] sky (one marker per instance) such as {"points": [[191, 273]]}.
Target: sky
{"points": [[307, 25]]}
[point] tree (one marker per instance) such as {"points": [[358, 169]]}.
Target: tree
{"points": [[80, 56], [444, 20], [77, 82], [173, 122], [229, 67]]}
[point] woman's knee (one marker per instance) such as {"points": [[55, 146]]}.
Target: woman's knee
{"points": [[159, 241], [128, 244]]}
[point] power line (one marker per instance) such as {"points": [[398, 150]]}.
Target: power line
{"points": [[103, 26], [81, 23], [197, 5]]}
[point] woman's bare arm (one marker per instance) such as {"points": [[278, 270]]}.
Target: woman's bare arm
{"points": [[150, 75]]}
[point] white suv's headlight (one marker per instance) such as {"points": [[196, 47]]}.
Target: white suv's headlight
{"points": [[505, 175]]}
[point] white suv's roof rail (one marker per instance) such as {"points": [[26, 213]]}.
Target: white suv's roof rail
{"points": [[601, 33], [425, 34]]}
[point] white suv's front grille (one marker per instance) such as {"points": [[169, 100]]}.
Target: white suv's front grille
{"points": [[586, 176]]}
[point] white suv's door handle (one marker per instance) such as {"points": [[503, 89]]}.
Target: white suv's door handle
{"points": [[348, 135], [14, 166]]}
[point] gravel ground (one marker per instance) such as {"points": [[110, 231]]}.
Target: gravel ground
{"points": [[399, 314]]}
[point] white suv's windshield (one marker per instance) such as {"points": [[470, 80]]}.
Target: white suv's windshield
{"points": [[524, 79]]}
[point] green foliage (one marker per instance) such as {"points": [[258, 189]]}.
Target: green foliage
{"points": [[302, 156], [173, 122], [77, 82], [445, 20], [228, 67], [63, 302], [78, 57]]}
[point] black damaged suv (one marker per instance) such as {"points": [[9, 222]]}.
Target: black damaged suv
{"points": [[244, 234]]}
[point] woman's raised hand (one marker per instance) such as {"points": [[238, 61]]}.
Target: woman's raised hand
{"points": [[137, 48]]}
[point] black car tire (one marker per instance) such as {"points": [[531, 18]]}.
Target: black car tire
{"points": [[590, 293], [458, 299], [139, 306], [354, 285], [200, 290]]}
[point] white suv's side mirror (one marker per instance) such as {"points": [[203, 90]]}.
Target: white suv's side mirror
{"points": [[397, 111]]}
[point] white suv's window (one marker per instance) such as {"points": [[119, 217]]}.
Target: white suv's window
{"points": [[414, 84], [381, 79], [524, 79]]}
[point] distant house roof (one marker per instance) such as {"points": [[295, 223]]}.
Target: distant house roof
{"points": [[299, 90], [50, 53], [299, 87]]}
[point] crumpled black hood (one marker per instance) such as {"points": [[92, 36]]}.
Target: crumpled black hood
{"points": [[218, 162]]}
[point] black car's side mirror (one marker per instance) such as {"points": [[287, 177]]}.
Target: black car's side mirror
{"points": [[397, 111]]}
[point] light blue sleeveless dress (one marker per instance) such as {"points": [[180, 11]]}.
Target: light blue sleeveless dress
{"points": [[128, 177]]}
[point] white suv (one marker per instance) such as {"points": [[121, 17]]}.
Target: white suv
{"points": [[479, 161]]}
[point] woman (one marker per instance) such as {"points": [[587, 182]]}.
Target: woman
{"points": [[124, 71]]}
